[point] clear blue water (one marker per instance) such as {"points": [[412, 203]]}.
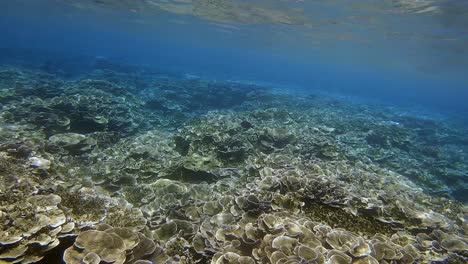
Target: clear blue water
{"points": [[411, 52], [233, 131]]}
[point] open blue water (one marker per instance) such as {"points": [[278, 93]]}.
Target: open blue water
{"points": [[411, 52], [233, 131]]}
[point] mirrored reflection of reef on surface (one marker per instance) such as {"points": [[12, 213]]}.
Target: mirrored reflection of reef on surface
{"points": [[128, 165], [383, 15], [427, 33]]}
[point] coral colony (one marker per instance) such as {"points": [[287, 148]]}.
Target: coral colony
{"points": [[133, 167]]}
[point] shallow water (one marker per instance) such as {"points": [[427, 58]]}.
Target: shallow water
{"points": [[185, 131]]}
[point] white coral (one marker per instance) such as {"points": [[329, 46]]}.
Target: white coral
{"points": [[39, 163]]}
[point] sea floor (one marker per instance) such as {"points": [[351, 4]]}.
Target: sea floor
{"points": [[133, 166]]}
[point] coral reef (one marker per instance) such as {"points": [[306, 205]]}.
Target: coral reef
{"points": [[111, 245], [138, 167]]}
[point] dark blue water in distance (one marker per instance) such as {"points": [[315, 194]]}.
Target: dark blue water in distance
{"points": [[426, 65], [233, 131]]}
